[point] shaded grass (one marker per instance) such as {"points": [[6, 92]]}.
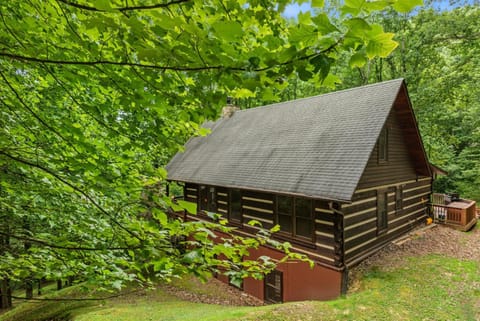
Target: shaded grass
{"points": [[50, 309], [423, 288]]}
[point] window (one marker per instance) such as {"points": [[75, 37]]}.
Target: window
{"points": [[207, 198], [212, 200], [399, 199], [382, 211], [285, 213], [294, 215], [235, 206], [383, 146], [203, 198], [274, 287]]}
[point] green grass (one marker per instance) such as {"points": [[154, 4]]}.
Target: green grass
{"points": [[424, 288], [171, 311]]}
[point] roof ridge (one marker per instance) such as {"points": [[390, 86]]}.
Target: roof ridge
{"points": [[322, 95]]}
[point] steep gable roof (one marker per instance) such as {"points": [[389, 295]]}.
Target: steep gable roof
{"points": [[316, 147]]}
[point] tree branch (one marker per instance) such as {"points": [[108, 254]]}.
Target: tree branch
{"points": [[163, 68], [123, 9], [70, 248], [75, 188], [30, 110], [108, 62]]}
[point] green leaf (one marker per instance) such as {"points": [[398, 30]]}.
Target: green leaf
{"points": [[304, 74], [188, 206], [242, 93], [303, 34], [405, 6], [318, 3], [377, 5], [331, 81], [117, 284], [287, 54], [202, 131], [160, 216], [357, 27], [304, 18], [357, 60], [268, 95], [254, 223], [380, 43], [236, 281], [353, 7], [102, 5], [321, 63], [228, 30], [323, 23]]}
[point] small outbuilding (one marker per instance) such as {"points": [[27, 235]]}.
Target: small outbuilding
{"points": [[342, 174]]}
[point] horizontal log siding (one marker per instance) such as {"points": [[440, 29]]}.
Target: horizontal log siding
{"points": [[258, 206], [327, 245], [327, 233], [190, 192], [222, 201], [360, 217], [398, 167]]}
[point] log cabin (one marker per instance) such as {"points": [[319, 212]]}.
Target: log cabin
{"points": [[342, 173]]}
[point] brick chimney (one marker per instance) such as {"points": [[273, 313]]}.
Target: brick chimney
{"points": [[229, 109]]}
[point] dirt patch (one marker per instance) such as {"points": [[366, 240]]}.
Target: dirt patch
{"points": [[213, 292], [437, 239]]}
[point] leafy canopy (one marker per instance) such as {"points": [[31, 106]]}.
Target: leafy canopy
{"points": [[96, 96]]}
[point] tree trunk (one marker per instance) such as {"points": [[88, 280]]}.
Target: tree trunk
{"points": [[5, 294], [59, 284], [29, 288], [39, 288], [5, 291]]}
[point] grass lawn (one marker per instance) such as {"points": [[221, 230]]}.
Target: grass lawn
{"points": [[424, 288]]}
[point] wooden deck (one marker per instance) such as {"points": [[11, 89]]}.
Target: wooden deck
{"points": [[461, 214]]}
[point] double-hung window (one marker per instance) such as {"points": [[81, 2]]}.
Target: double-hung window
{"points": [[295, 216]]}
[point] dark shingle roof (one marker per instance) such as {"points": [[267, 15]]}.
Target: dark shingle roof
{"points": [[316, 146]]}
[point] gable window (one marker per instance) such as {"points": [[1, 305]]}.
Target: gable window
{"points": [[382, 211], [294, 215], [235, 206], [383, 146]]}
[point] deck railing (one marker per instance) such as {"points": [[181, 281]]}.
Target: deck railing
{"points": [[460, 214]]}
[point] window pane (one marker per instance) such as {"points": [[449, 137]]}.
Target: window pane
{"points": [[203, 198], [284, 204], [235, 205], [383, 145], [273, 287], [285, 222], [304, 227], [303, 207]]}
